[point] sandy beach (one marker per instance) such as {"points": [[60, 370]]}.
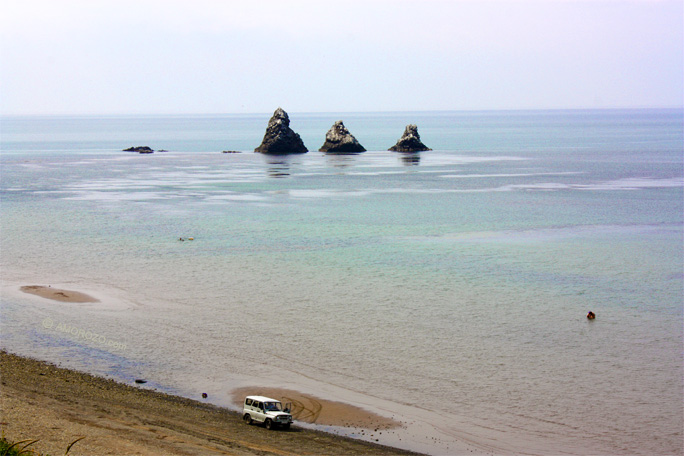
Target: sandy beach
{"points": [[57, 406]]}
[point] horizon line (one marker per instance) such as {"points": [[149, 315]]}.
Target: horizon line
{"points": [[217, 113]]}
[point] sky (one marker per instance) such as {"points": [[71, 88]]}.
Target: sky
{"points": [[211, 56]]}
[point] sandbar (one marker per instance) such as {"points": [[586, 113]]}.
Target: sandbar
{"points": [[57, 294], [312, 409]]}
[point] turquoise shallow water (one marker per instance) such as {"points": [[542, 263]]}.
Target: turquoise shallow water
{"points": [[460, 275]]}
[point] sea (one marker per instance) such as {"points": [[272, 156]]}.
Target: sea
{"points": [[448, 288]]}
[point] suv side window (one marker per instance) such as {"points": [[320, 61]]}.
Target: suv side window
{"points": [[248, 402]]}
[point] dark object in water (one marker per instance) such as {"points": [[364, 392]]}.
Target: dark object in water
{"points": [[140, 380], [140, 149], [591, 315], [204, 395]]}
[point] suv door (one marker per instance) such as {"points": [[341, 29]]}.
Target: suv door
{"points": [[259, 414]]}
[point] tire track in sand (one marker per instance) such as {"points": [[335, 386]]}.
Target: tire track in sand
{"points": [[309, 411]]}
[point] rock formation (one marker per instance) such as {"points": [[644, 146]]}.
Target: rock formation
{"points": [[339, 140], [409, 141], [140, 150], [279, 138]]}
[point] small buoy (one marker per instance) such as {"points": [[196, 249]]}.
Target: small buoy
{"points": [[591, 315], [204, 395], [191, 239]]}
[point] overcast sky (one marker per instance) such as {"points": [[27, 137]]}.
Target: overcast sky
{"points": [[199, 56]]}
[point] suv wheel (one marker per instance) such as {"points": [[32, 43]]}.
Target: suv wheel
{"points": [[268, 423], [247, 418]]}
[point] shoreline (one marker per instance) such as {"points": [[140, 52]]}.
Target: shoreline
{"points": [[58, 405], [402, 428]]}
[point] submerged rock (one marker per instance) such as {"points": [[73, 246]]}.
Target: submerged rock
{"points": [[140, 149], [279, 138], [409, 141], [339, 140]]}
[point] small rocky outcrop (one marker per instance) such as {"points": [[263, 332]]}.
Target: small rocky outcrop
{"points": [[409, 141], [339, 140], [279, 138], [140, 149]]}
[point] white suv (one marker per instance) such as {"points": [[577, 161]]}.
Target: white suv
{"points": [[265, 410]]}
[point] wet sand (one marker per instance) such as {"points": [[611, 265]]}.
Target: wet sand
{"points": [[57, 294], [312, 409], [57, 406]]}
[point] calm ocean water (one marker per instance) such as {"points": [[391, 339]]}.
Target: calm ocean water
{"points": [[447, 288]]}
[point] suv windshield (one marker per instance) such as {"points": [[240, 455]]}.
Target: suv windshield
{"points": [[273, 406]]}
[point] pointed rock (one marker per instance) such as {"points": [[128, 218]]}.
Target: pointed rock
{"points": [[279, 138], [409, 141], [339, 140]]}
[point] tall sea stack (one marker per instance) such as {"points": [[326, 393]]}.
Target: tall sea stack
{"points": [[409, 141], [339, 140], [279, 138]]}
